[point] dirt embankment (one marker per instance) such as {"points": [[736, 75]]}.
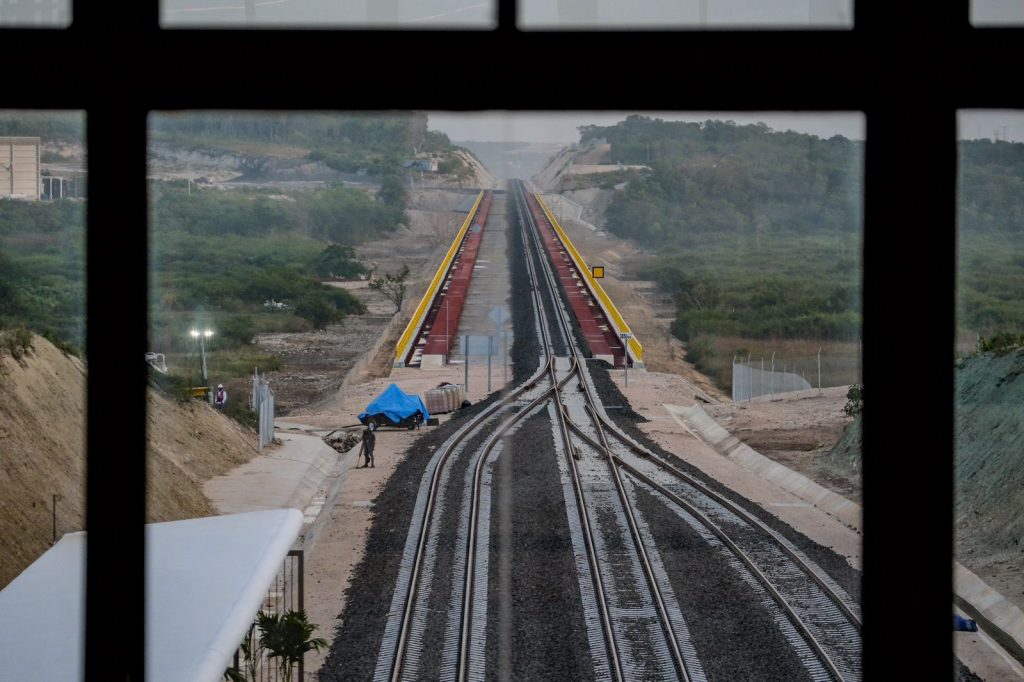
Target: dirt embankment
{"points": [[42, 454], [989, 473]]}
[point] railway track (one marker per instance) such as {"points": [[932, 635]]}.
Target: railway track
{"points": [[635, 627]]}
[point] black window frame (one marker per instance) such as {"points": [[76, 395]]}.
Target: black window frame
{"points": [[908, 66]]}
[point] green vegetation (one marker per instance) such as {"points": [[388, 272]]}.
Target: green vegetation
{"points": [[42, 280], [758, 231], [1000, 343], [991, 238], [16, 342], [50, 126], [285, 637], [390, 132], [854, 401]]}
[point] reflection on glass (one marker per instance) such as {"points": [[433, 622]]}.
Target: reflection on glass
{"points": [[42, 333], [408, 14], [997, 13], [989, 425], [538, 14], [35, 13]]}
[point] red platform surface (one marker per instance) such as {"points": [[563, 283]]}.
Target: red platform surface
{"points": [[599, 334], [442, 319]]}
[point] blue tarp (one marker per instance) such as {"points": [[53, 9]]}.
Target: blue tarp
{"points": [[396, 405]]}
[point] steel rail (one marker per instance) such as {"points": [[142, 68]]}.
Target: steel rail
{"points": [[563, 420], [467, 591], [459, 436], [599, 591], [742, 556], [638, 540], [735, 508], [731, 544], [566, 423]]}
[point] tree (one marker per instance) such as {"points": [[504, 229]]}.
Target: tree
{"points": [[392, 191], [393, 286], [338, 260], [287, 636], [318, 309]]}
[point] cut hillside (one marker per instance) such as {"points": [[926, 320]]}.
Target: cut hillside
{"points": [[42, 453], [990, 470]]}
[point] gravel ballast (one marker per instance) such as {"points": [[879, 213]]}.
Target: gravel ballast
{"points": [[536, 629]]}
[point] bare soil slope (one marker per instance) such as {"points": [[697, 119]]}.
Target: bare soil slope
{"points": [[42, 453], [990, 470]]}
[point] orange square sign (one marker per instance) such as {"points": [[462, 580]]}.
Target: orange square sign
{"points": [[598, 271]]}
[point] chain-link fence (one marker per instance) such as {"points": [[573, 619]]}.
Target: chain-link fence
{"points": [[770, 375], [261, 401]]}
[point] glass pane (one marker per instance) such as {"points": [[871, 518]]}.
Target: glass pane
{"points": [[692, 14], [313, 264], [989, 358], [997, 13], [35, 13], [404, 14], [42, 388]]}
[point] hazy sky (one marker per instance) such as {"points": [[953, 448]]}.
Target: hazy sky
{"points": [[560, 127]]}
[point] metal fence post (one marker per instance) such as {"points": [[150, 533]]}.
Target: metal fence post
{"points": [[819, 369], [750, 380], [734, 377], [761, 394]]}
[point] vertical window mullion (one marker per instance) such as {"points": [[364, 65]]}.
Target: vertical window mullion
{"points": [[507, 16], [909, 271], [116, 339]]}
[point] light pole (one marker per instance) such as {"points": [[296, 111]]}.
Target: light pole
{"points": [[625, 336], [202, 336]]}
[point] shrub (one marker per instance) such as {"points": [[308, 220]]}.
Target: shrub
{"points": [[1000, 343], [318, 309], [238, 330], [17, 342], [240, 412], [854, 400]]}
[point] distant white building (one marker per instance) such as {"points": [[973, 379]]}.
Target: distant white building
{"points": [[19, 168]]}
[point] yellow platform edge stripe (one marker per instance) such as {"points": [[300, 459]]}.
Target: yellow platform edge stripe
{"points": [[637, 350], [412, 329]]}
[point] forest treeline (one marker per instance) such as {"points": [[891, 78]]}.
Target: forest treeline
{"points": [[759, 232], [219, 254]]}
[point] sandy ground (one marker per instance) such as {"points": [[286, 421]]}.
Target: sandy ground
{"points": [[796, 430]]}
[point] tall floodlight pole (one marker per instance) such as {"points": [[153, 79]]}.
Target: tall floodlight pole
{"points": [[202, 336]]}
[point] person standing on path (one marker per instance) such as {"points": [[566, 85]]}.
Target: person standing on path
{"points": [[220, 400], [369, 438]]}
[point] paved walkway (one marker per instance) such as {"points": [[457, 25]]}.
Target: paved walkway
{"points": [[302, 472]]}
